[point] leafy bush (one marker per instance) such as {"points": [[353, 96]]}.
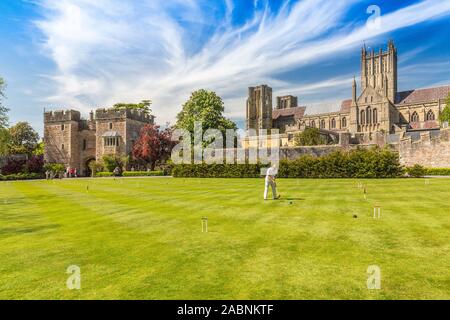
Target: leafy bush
{"points": [[111, 162], [310, 137], [359, 163], [55, 167], [21, 176], [13, 166], [35, 164], [416, 171], [95, 167], [143, 173], [437, 171], [103, 174]]}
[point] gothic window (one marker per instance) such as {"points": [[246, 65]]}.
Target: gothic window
{"points": [[84, 144], [375, 116], [430, 116], [62, 147], [333, 123], [322, 124], [369, 115], [344, 122], [111, 141], [313, 124], [62, 127], [363, 117], [110, 126], [415, 117]]}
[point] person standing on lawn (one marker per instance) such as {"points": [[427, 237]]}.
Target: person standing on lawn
{"points": [[270, 181]]}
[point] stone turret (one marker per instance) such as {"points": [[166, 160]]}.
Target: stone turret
{"points": [[259, 107], [61, 116]]}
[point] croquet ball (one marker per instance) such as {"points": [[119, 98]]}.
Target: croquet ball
{"points": [[355, 216], [290, 202]]}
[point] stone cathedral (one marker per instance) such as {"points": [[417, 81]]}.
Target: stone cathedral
{"points": [[379, 108]]}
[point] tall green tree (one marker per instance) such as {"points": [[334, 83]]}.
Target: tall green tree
{"points": [[23, 139], [206, 107], [144, 105], [4, 141], [445, 114], [3, 110]]}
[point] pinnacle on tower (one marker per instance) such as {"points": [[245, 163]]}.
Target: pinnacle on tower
{"points": [[354, 89]]}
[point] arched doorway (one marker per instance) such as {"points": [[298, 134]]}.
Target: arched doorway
{"points": [[87, 168]]}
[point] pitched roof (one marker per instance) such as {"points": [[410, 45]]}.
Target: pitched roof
{"points": [[345, 106], [111, 134], [297, 112], [422, 95]]}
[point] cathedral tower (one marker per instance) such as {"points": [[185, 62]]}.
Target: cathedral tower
{"points": [[259, 107], [379, 71]]}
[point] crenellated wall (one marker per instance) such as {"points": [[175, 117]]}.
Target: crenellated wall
{"points": [[61, 116], [109, 114]]}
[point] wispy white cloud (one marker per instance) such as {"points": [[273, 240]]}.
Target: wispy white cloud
{"points": [[108, 50]]}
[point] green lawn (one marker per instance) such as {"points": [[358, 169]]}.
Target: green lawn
{"points": [[142, 239]]}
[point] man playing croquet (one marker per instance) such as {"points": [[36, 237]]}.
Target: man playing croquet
{"points": [[270, 181]]}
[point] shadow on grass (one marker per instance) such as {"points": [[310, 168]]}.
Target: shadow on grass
{"points": [[25, 230]]}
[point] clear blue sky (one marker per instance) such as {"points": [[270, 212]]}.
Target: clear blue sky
{"points": [[85, 54]]}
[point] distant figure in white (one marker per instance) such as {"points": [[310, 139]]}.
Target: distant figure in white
{"points": [[270, 181]]}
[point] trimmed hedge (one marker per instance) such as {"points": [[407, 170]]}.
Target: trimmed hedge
{"points": [[21, 176], [143, 173], [437, 171], [131, 174], [217, 170], [103, 174], [359, 163]]}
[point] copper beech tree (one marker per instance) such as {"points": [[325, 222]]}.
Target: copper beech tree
{"points": [[153, 146]]}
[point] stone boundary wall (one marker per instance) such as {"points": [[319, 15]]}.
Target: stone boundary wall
{"points": [[431, 150], [292, 153], [428, 151]]}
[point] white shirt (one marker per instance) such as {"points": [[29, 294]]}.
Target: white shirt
{"points": [[271, 172]]}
